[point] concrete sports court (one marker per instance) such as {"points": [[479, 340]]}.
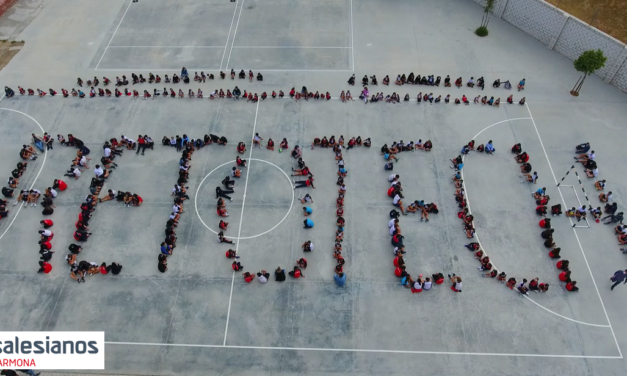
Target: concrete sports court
{"points": [[199, 317]]}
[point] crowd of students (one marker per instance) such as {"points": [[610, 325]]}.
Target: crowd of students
{"points": [[486, 267], [79, 269], [395, 192], [342, 172], [30, 197], [365, 95], [186, 147]]}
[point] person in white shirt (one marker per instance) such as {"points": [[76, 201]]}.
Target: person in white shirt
{"points": [[427, 284], [45, 233], [50, 192], [306, 198], [83, 162], [107, 152], [393, 177], [583, 158], [392, 222], [399, 204], [417, 287], [401, 250], [100, 173], [308, 246], [74, 171], [263, 276], [457, 283], [257, 142], [592, 173], [33, 196]]}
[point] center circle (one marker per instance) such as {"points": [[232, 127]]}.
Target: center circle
{"points": [[289, 181]]}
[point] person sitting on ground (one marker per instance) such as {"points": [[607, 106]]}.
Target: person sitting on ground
{"points": [[556, 209], [614, 218], [596, 213], [532, 178], [545, 223], [592, 173], [571, 286], [541, 210], [555, 253], [583, 147], [522, 158], [525, 168], [605, 197], [296, 273], [540, 193], [522, 288]]}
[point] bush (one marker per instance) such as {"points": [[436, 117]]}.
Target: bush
{"points": [[482, 31]]}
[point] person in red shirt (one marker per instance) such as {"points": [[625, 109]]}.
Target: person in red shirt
{"points": [[302, 263], [237, 266], [522, 158], [571, 286], [533, 285], [399, 271], [222, 212], [296, 273], [103, 268], [45, 267], [398, 261], [565, 276], [241, 148], [511, 283], [44, 245], [545, 223], [248, 277], [302, 184], [223, 225], [240, 162], [59, 184], [137, 200], [141, 144], [231, 254], [562, 265], [81, 236], [46, 223], [555, 253]]}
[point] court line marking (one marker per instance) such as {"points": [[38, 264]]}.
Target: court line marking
{"points": [[234, 35], [576, 236], [352, 38], [229, 35], [410, 352], [116, 30], [252, 236], [290, 47], [166, 47], [241, 218], [484, 250], [38, 173]]}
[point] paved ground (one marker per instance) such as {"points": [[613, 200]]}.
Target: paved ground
{"points": [[177, 322]]}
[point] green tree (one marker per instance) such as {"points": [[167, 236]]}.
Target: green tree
{"points": [[587, 63], [482, 30]]}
